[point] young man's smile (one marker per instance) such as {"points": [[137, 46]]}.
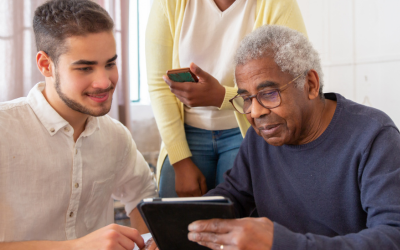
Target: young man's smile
{"points": [[99, 97], [86, 75]]}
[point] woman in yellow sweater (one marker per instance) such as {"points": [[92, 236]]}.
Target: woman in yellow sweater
{"points": [[200, 130]]}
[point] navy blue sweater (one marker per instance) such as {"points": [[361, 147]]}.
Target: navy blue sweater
{"points": [[341, 191]]}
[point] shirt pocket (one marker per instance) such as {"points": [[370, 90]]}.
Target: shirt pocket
{"points": [[99, 198]]}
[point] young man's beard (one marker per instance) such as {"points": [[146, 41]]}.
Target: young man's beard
{"points": [[79, 107]]}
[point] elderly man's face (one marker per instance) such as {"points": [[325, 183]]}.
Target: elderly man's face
{"points": [[284, 124]]}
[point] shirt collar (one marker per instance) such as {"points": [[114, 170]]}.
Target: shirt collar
{"points": [[92, 125], [50, 119]]}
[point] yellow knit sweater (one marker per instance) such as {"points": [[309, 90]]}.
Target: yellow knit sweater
{"points": [[162, 54]]}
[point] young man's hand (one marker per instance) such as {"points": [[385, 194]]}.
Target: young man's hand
{"points": [[111, 237], [246, 233], [150, 245], [189, 180]]}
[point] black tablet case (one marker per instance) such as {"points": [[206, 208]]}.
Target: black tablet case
{"points": [[168, 221]]}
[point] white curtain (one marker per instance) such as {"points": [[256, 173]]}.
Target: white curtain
{"points": [[17, 47], [18, 51]]}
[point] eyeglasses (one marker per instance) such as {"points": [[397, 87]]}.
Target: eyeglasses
{"points": [[267, 98]]}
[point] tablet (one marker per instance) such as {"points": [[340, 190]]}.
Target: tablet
{"points": [[168, 218]]}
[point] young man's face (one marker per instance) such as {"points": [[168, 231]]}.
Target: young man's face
{"points": [[86, 75]]}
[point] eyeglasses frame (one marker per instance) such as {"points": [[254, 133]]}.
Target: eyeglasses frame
{"points": [[284, 87]]}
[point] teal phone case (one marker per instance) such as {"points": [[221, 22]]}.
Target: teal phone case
{"points": [[181, 77]]}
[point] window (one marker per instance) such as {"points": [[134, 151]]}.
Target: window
{"points": [[139, 11], [17, 42]]}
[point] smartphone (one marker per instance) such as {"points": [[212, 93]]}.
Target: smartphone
{"points": [[182, 75]]}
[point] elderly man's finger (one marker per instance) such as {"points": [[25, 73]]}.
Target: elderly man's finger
{"points": [[210, 239], [216, 246], [213, 225]]}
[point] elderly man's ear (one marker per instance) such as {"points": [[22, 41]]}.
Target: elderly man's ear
{"points": [[312, 84]]}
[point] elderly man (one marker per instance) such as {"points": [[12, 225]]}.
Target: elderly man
{"points": [[322, 171]]}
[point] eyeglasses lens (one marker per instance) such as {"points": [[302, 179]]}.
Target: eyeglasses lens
{"points": [[268, 99], [238, 103]]}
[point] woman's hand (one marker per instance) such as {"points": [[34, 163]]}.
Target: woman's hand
{"points": [[189, 180], [207, 92]]}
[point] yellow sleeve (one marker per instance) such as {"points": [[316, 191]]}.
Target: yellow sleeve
{"points": [[280, 12], [230, 92], [159, 50]]}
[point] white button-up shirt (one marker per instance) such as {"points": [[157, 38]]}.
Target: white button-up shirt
{"points": [[52, 188]]}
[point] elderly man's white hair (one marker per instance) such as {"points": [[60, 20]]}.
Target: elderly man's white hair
{"points": [[291, 50]]}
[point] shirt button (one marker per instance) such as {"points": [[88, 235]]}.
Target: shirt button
{"points": [[76, 185], [76, 151], [71, 214], [52, 130], [66, 129]]}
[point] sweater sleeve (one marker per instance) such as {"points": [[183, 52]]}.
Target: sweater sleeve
{"points": [[230, 92], [379, 182], [159, 50], [292, 17]]}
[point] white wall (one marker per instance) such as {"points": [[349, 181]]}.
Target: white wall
{"points": [[359, 43]]}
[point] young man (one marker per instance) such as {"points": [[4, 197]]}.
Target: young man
{"points": [[62, 159]]}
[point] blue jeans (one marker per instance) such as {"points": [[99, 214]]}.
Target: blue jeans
{"points": [[213, 152]]}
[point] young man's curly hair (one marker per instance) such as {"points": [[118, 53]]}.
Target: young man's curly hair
{"points": [[56, 20]]}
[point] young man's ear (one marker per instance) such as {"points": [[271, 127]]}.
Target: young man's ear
{"points": [[312, 84], [44, 63]]}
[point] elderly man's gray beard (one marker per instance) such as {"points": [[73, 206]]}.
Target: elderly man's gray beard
{"points": [[77, 106]]}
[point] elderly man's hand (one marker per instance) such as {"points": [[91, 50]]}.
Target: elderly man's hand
{"points": [[247, 233], [207, 92]]}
